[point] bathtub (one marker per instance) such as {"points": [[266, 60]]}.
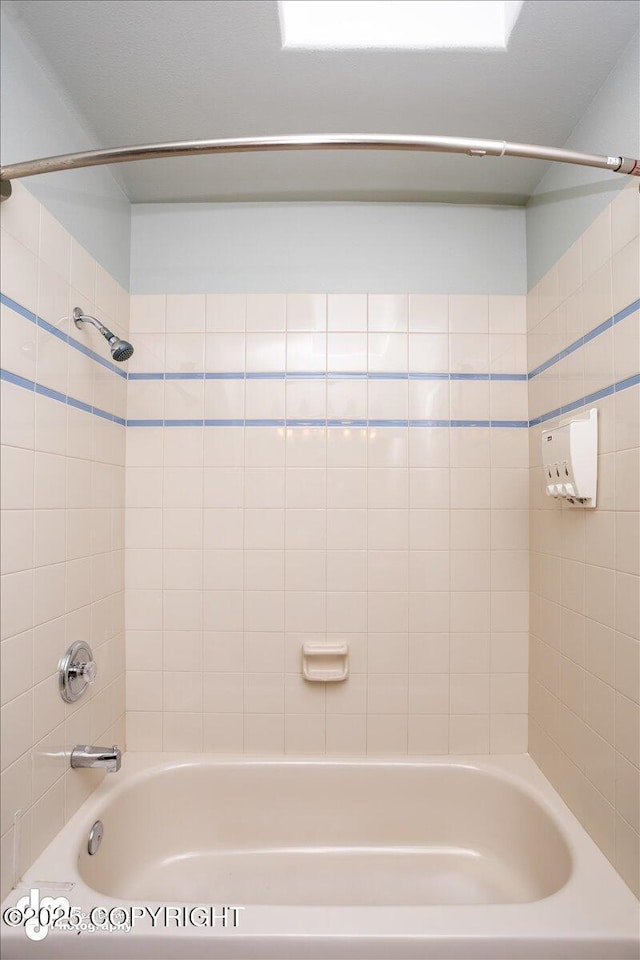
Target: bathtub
{"points": [[435, 858]]}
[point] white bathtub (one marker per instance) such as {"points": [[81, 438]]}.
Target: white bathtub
{"points": [[435, 858]]}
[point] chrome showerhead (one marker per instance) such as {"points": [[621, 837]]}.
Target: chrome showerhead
{"points": [[120, 349]]}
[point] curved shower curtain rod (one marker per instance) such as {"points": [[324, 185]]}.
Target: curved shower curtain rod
{"points": [[187, 148]]}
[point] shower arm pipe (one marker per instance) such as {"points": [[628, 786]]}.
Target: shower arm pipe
{"points": [[428, 144]]}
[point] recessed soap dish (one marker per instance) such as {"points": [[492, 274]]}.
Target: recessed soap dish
{"points": [[325, 662]]}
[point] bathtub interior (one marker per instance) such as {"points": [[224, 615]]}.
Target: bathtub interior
{"points": [[330, 833]]}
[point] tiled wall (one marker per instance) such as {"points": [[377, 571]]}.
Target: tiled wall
{"points": [[62, 490], [308, 467], [339, 466], [584, 326]]}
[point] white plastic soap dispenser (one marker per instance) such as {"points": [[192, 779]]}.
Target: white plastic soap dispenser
{"points": [[570, 461]]}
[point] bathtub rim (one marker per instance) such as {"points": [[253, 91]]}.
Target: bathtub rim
{"points": [[593, 907]]}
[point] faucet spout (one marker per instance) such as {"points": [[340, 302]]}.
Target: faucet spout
{"points": [[104, 758]]}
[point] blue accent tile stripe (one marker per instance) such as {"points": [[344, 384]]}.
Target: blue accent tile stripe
{"points": [[329, 422], [388, 423], [333, 422], [548, 363], [224, 423], [255, 422], [16, 380], [61, 397], [27, 384], [628, 382], [54, 331], [183, 423], [545, 416], [581, 341], [429, 423], [71, 401], [411, 375], [321, 375], [305, 422], [592, 334], [51, 394], [60, 335], [18, 308], [587, 399], [626, 311], [331, 375]]}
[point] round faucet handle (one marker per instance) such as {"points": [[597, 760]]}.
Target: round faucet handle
{"points": [[88, 671], [76, 671]]}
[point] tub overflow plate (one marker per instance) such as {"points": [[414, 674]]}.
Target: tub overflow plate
{"points": [[95, 837]]}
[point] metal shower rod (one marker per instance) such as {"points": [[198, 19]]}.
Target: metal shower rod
{"points": [[352, 141]]}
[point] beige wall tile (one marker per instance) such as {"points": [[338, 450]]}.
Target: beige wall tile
{"points": [[584, 565], [412, 543]]}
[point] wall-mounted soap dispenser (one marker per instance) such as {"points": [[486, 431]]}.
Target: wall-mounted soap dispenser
{"points": [[570, 461]]}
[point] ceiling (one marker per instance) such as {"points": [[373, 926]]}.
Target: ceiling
{"points": [[149, 70]]}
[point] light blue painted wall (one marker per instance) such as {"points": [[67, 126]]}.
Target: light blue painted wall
{"points": [[37, 122], [568, 198], [341, 247]]}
